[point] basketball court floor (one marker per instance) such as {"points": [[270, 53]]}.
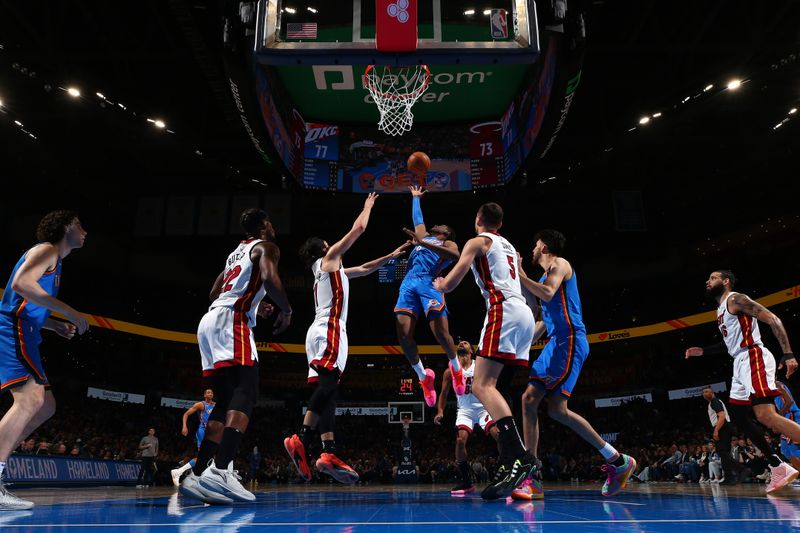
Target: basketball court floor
{"points": [[567, 507]]}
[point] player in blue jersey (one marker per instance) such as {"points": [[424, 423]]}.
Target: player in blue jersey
{"points": [[433, 252], [788, 407], [556, 370], [203, 410], [25, 309]]}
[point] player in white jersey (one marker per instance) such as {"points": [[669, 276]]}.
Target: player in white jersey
{"points": [[469, 414], [229, 356], [505, 339], [753, 387], [326, 345]]}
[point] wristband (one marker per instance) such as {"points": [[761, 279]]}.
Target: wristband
{"points": [[786, 357]]}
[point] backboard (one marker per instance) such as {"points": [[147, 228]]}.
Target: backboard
{"points": [[415, 411]]}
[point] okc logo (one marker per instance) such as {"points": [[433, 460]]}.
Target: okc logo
{"points": [[398, 10]]}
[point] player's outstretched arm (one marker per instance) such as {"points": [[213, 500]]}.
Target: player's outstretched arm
{"points": [[696, 351], [368, 268], [26, 283], [739, 303], [333, 258], [447, 250], [267, 255], [442, 401], [475, 247], [555, 276], [416, 211], [189, 412]]}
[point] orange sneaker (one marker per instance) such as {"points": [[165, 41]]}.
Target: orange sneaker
{"points": [[530, 489], [297, 453], [329, 464], [429, 387]]}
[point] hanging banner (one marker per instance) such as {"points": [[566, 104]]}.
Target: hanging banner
{"points": [[619, 400], [114, 396], [691, 392]]}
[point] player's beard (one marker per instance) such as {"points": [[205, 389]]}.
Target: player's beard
{"points": [[713, 293]]}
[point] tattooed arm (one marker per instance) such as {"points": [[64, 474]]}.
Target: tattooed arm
{"points": [[739, 303]]}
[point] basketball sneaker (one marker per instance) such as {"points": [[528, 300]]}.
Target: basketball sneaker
{"points": [[617, 475], [190, 487], [531, 489], [458, 380], [509, 476], [429, 387], [297, 453], [10, 502], [462, 489], [782, 475], [225, 482], [329, 464]]}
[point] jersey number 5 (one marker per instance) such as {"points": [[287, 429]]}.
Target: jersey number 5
{"points": [[512, 267], [230, 275]]}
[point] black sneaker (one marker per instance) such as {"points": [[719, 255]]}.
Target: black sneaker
{"points": [[462, 489], [510, 476]]}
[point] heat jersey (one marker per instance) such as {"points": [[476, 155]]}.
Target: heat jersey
{"points": [[496, 271], [468, 400], [740, 332], [242, 285], [331, 294]]}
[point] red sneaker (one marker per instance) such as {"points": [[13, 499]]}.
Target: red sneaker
{"points": [[297, 453], [329, 464], [429, 387], [458, 380]]}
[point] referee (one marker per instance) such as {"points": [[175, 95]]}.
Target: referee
{"points": [[721, 422]]}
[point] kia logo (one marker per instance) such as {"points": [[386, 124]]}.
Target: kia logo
{"points": [[398, 10]]}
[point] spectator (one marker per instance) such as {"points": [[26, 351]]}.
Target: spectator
{"points": [[149, 450]]}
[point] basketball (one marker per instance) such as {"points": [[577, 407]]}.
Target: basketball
{"points": [[419, 162]]}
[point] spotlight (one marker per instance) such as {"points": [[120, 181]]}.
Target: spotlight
{"points": [[1, 103], [792, 111], [644, 120], [290, 10], [734, 84], [656, 115], [487, 12], [159, 124], [73, 92], [708, 88], [101, 95], [469, 12], [313, 10]]}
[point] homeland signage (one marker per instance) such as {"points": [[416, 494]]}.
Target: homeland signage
{"points": [[114, 396], [48, 469], [691, 392], [619, 400]]}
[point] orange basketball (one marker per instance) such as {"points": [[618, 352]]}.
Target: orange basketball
{"points": [[419, 162]]}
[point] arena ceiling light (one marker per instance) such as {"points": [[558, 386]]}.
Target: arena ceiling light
{"points": [[734, 84], [656, 115], [290, 10], [792, 111], [1, 103], [487, 12], [469, 12], [73, 92], [644, 120], [313, 9], [708, 88], [101, 95]]}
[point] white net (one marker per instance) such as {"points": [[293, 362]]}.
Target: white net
{"points": [[395, 90]]}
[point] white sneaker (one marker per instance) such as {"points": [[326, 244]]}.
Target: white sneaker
{"points": [[190, 486], [225, 482], [9, 502], [178, 472]]}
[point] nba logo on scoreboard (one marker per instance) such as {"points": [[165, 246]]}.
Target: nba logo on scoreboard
{"points": [[499, 24]]}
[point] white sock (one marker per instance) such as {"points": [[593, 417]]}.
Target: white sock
{"points": [[456, 365], [420, 370], [608, 452], [184, 468], [2, 468]]}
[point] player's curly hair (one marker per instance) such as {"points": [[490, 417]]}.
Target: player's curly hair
{"points": [[312, 250], [252, 218], [53, 225], [553, 239]]}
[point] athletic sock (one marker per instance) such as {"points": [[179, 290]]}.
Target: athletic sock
{"points": [[455, 364], [420, 370], [610, 454], [2, 468], [208, 449], [185, 467], [305, 435], [463, 469], [329, 446], [774, 460], [231, 438], [509, 441], [192, 462]]}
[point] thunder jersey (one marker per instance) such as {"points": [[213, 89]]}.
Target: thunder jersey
{"points": [[496, 272], [562, 314], [205, 414], [792, 414], [740, 332], [242, 286], [426, 263], [14, 306], [331, 294], [468, 400]]}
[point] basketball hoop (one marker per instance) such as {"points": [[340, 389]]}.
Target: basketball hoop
{"points": [[406, 421], [395, 90]]}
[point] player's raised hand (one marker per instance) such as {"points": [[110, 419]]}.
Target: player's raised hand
{"points": [[791, 366], [282, 322], [694, 351], [438, 419], [410, 232], [400, 250], [370, 201], [64, 329], [416, 190]]}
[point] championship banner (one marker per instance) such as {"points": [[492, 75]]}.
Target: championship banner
{"points": [[49, 469], [786, 295], [619, 400], [691, 392], [114, 396]]}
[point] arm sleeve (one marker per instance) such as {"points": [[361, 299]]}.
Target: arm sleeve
{"points": [[416, 211]]}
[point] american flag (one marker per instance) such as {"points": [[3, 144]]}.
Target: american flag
{"points": [[301, 30]]}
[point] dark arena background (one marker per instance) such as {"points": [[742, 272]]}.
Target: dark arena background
{"points": [[661, 138]]}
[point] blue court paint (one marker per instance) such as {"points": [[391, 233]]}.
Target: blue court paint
{"points": [[390, 509]]}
